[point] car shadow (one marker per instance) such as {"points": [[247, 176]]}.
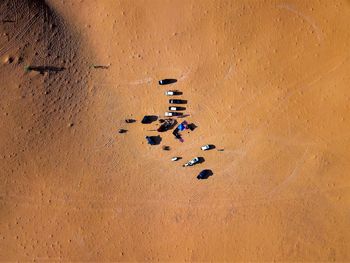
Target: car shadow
{"points": [[201, 160], [182, 102]]}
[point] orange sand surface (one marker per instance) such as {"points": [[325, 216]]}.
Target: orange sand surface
{"points": [[267, 81]]}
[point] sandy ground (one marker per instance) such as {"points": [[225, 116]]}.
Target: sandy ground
{"points": [[267, 81]]}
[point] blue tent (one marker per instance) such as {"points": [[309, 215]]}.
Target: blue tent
{"points": [[182, 126]]}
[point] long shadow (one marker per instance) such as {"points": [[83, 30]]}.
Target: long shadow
{"points": [[167, 81], [211, 146], [177, 93], [43, 69], [205, 174], [201, 160], [100, 67], [183, 116], [177, 101]]}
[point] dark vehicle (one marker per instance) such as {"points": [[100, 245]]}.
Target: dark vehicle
{"points": [[167, 81], [177, 101], [176, 108], [153, 140], [149, 119], [204, 174], [150, 140], [171, 114]]}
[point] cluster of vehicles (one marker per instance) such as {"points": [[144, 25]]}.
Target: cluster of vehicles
{"points": [[174, 110], [204, 174], [196, 160]]}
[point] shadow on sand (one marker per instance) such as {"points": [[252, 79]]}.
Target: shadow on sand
{"points": [[201, 160], [43, 69], [149, 119], [211, 146], [192, 126]]}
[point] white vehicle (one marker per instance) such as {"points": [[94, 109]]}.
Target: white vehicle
{"points": [[171, 114], [177, 108], [173, 108], [205, 147], [169, 93], [192, 162], [175, 159]]}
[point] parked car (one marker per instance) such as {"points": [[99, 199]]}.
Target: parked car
{"points": [[192, 162], [167, 81], [205, 147], [171, 114], [176, 108], [204, 174], [170, 93], [153, 140], [173, 101]]}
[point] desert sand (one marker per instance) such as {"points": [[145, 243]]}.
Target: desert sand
{"points": [[267, 81]]}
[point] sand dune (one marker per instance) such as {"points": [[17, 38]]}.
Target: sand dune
{"points": [[267, 81]]}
